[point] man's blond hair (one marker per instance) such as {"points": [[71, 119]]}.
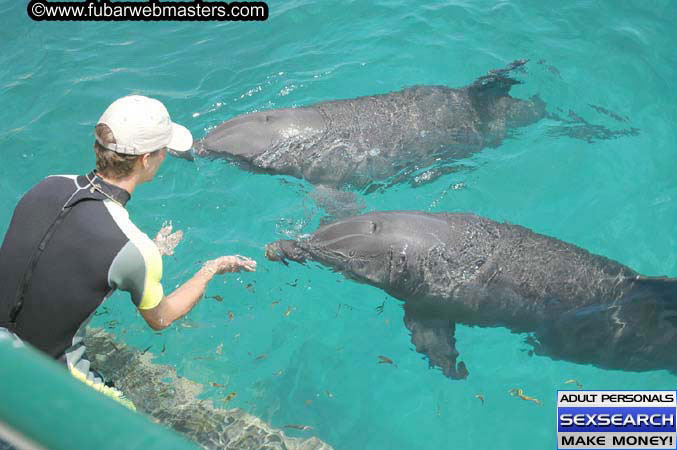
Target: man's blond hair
{"points": [[111, 164]]}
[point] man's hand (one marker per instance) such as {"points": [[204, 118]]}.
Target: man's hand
{"points": [[232, 263], [167, 241]]}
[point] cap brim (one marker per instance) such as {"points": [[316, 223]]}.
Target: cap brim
{"points": [[182, 140]]}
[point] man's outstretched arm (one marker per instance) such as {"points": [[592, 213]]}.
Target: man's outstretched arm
{"points": [[185, 297]]}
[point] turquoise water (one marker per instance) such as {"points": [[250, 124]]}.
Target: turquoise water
{"points": [[612, 197]]}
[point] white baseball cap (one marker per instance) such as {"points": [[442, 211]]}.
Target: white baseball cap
{"points": [[142, 125]]}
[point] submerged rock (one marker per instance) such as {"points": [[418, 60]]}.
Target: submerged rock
{"points": [[173, 401]]}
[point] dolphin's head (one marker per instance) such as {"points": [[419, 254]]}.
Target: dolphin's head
{"points": [[372, 248], [246, 137], [285, 249]]}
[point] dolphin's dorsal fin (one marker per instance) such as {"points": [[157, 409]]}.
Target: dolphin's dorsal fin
{"points": [[336, 203], [497, 82]]}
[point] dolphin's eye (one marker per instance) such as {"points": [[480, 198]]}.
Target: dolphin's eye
{"points": [[268, 118]]}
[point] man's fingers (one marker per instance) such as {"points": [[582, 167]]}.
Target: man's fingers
{"points": [[238, 262], [166, 229], [232, 263], [176, 236], [249, 267], [247, 264]]}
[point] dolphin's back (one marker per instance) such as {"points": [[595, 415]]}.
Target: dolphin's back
{"points": [[372, 138], [433, 116], [552, 274], [499, 266]]}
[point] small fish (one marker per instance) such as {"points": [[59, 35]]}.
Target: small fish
{"points": [[381, 307], [261, 357], [309, 402], [279, 373], [329, 394], [579, 385], [386, 360], [287, 312], [231, 316], [229, 397], [613, 115], [439, 409], [520, 393], [274, 303], [164, 347], [115, 346], [217, 385], [218, 298], [480, 397], [146, 349], [103, 311], [338, 310], [250, 287], [219, 349], [299, 427], [296, 281]]}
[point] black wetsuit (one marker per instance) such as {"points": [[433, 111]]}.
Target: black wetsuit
{"points": [[69, 245]]}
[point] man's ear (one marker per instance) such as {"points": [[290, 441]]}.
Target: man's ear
{"points": [[145, 160]]}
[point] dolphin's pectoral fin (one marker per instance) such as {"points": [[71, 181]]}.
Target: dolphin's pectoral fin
{"points": [[435, 338], [535, 345], [432, 173], [337, 204]]}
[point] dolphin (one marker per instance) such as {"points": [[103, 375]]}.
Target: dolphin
{"points": [[462, 268], [355, 142]]}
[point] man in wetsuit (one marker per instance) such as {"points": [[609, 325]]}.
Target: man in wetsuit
{"points": [[71, 243]]}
